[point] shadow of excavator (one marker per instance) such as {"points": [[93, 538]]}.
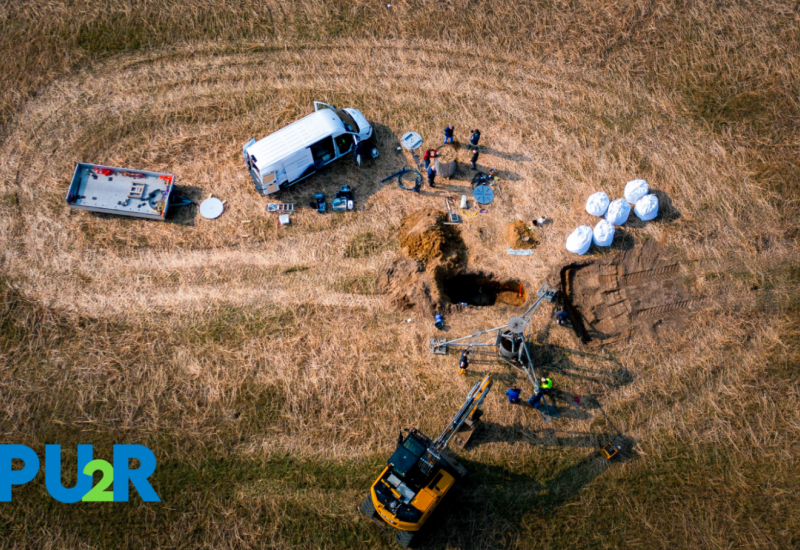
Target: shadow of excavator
{"points": [[489, 507]]}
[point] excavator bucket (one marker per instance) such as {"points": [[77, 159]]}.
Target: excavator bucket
{"points": [[465, 432]]}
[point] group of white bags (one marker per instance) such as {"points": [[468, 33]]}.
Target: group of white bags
{"points": [[615, 213]]}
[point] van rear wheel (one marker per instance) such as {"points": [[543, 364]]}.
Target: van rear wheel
{"points": [[367, 508], [404, 538]]}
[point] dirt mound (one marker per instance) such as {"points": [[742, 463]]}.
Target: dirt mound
{"points": [[519, 236], [446, 153], [410, 286], [632, 291], [426, 238], [433, 277], [422, 235]]}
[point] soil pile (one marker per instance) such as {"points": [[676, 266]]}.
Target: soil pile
{"points": [[519, 236], [435, 251], [432, 277], [422, 235], [632, 291], [409, 285]]}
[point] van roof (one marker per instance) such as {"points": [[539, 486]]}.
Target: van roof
{"points": [[294, 137]]}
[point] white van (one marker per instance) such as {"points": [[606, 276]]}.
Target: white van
{"points": [[302, 148]]}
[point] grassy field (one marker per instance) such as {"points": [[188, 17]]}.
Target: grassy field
{"points": [[262, 366]]}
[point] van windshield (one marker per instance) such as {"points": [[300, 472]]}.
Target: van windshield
{"points": [[349, 124]]}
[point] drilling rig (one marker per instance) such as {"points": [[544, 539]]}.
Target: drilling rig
{"points": [[509, 345]]}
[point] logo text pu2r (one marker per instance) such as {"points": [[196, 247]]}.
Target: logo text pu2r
{"points": [[120, 473]]}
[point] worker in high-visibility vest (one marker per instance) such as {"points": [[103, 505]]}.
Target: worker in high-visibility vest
{"points": [[544, 388]]}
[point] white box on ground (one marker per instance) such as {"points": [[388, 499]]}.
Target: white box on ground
{"points": [[284, 219]]}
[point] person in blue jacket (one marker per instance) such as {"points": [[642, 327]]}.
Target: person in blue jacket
{"points": [[513, 395], [545, 385], [448, 134]]}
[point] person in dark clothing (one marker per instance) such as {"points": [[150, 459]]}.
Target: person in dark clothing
{"points": [[544, 389], [484, 179], [562, 316], [360, 150], [464, 364], [431, 175], [428, 157], [474, 139], [513, 395], [448, 134], [474, 159]]}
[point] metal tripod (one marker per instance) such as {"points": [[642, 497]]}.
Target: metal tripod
{"points": [[509, 341]]}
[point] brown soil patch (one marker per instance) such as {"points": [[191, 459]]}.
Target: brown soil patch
{"points": [[629, 292], [519, 236], [410, 286], [435, 250], [423, 235], [433, 277], [446, 153]]}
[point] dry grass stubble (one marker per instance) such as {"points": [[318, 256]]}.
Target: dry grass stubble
{"points": [[239, 338]]}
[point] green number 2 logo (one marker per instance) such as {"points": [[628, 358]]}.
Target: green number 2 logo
{"points": [[99, 492]]}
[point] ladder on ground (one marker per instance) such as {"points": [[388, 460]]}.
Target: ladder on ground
{"points": [[452, 215], [281, 207]]}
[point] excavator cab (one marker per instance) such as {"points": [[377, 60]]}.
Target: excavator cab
{"points": [[420, 473]]}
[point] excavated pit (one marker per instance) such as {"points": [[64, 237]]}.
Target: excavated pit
{"points": [[476, 289], [432, 276]]}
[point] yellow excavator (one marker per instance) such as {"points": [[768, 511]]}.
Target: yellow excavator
{"points": [[420, 473]]}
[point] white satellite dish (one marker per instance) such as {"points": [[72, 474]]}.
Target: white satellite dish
{"points": [[211, 208]]}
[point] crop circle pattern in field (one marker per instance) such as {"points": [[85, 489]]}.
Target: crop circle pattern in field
{"points": [[188, 111]]}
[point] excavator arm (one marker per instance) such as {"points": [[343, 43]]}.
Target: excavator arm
{"points": [[461, 426]]}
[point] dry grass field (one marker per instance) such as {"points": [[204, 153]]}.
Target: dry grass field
{"points": [[263, 366]]}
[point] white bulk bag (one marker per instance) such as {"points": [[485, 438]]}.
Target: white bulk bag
{"points": [[646, 208], [580, 240], [603, 233], [597, 204], [618, 211], [635, 190]]}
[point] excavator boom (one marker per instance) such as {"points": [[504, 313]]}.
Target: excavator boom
{"points": [[466, 413]]}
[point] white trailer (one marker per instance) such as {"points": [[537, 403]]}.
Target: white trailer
{"points": [[123, 191], [302, 148]]}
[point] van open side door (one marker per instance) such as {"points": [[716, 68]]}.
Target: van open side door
{"points": [[244, 151], [254, 173], [318, 105]]}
